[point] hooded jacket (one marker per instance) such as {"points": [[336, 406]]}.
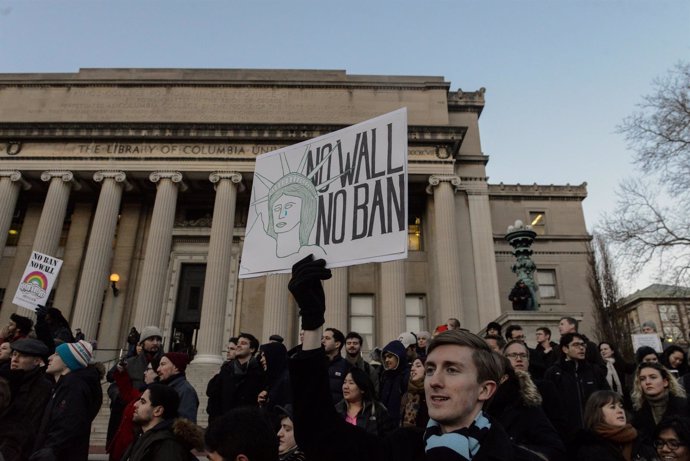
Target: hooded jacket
{"points": [[394, 381], [277, 376], [517, 406], [66, 425], [169, 440]]}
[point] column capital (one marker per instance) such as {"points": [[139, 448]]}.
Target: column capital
{"points": [[14, 176], [66, 176], [173, 176], [118, 176], [233, 176], [436, 179]]}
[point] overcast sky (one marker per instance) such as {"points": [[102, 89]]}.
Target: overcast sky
{"points": [[559, 74]]}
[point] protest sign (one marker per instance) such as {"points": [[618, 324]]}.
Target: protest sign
{"points": [[37, 281], [341, 197], [651, 340]]}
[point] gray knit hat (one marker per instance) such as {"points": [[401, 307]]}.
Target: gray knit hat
{"points": [[149, 332]]}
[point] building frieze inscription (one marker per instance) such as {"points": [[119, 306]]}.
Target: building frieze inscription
{"points": [[164, 150]]}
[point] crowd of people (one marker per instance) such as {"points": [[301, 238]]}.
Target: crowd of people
{"points": [[446, 395]]}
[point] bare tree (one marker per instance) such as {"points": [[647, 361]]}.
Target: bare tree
{"points": [[651, 222], [611, 323]]}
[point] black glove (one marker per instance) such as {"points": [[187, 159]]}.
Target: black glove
{"points": [[305, 286], [41, 312]]}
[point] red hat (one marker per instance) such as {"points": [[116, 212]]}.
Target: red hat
{"points": [[179, 359], [441, 328]]}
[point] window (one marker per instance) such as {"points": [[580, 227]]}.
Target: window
{"points": [[414, 235], [546, 279], [362, 318], [537, 220], [671, 325], [415, 313]]}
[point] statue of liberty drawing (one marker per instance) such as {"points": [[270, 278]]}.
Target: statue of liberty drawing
{"points": [[288, 211]]}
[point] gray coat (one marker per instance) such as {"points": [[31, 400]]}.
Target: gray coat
{"points": [[189, 401]]}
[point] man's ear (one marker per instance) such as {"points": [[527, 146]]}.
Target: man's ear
{"points": [[158, 411], [486, 390], [241, 458]]}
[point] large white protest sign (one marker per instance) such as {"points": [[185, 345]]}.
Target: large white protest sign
{"points": [[651, 340], [341, 197], [37, 281]]}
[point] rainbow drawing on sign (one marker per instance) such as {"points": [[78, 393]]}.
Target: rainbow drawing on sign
{"points": [[35, 283]]}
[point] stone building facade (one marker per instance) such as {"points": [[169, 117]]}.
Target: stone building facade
{"points": [[146, 173]]}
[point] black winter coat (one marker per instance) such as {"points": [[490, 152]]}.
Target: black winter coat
{"points": [[643, 419], [517, 407], [31, 392], [373, 417], [66, 425], [593, 447], [170, 440], [575, 381], [324, 435], [338, 368], [229, 389]]}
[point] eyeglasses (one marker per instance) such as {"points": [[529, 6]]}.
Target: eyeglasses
{"points": [[672, 444], [577, 345], [517, 355]]}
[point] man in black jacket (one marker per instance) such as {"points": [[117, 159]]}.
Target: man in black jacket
{"points": [[461, 375], [30, 392], [162, 438], [239, 381], [575, 380]]}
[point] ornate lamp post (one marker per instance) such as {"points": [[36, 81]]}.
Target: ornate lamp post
{"points": [[521, 236]]}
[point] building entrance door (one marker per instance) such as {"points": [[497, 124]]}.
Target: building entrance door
{"points": [[187, 318]]}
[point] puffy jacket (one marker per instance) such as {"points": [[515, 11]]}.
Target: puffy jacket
{"points": [[373, 417]]}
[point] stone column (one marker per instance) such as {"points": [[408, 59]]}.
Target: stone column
{"points": [[54, 208], [10, 181], [488, 303], [276, 308], [157, 255], [447, 251], [337, 300], [210, 338], [99, 252], [393, 320]]}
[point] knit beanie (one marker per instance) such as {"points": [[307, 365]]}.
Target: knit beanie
{"points": [[150, 332], [75, 355], [179, 359]]}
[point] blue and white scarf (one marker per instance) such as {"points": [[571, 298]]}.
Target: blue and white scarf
{"points": [[460, 445]]}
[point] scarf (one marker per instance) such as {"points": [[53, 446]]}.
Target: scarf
{"points": [[612, 376], [658, 406], [623, 437], [411, 402], [460, 445]]}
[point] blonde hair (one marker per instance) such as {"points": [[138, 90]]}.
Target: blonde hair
{"points": [[674, 388]]}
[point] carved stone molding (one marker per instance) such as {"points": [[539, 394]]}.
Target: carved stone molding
{"points": [[436, 179], [66, 176]]}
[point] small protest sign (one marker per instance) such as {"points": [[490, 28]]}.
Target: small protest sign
{"points": [[651, 340], [341, 197], [37, 281]]}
